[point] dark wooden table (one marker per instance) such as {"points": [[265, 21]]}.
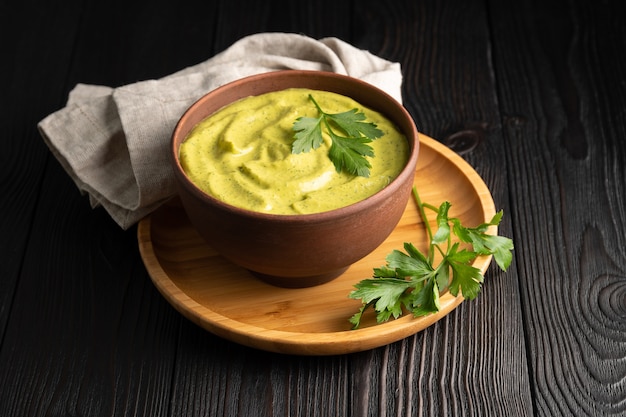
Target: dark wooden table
{"points": [[531, 94]]}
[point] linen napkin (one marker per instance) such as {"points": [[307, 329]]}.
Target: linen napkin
{"points": [[113, 141]]}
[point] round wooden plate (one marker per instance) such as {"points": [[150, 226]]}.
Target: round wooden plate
{"points": [[230, 302]]}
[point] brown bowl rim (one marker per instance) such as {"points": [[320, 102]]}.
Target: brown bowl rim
{"points": [[408, 170]]}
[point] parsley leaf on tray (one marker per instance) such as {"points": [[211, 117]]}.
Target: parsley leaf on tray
{"points": [[410, 280]]}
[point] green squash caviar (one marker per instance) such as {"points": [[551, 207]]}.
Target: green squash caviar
{"points": [[242, 155]]}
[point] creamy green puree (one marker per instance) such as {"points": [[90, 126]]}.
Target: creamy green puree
{"points": [[242, 155]]}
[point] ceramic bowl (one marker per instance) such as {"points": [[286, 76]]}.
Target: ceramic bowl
{"points": [[296, 250]]}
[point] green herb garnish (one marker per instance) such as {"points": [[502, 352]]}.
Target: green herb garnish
{"points": [[410, 281], [346, 152]]}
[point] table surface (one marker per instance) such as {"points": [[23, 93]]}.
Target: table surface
{"points": [[531, 94]]}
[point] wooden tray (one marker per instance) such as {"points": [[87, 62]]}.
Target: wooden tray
{"points": [[230, 302]]}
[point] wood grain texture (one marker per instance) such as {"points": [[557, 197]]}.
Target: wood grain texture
{"points": [[87, 333], [451, 91], [22, 105], [558, 129]]}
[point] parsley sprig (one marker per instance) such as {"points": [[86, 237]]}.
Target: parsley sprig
{"points": [[347, 152], [410, 281]]}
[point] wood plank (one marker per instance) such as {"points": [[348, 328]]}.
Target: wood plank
{"points": [[451, 92], [561, 69], [88, 330], [88, 333], [29, 90], [309, 18]]}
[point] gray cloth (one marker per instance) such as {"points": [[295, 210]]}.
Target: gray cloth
{"points": [[113, 141]]}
